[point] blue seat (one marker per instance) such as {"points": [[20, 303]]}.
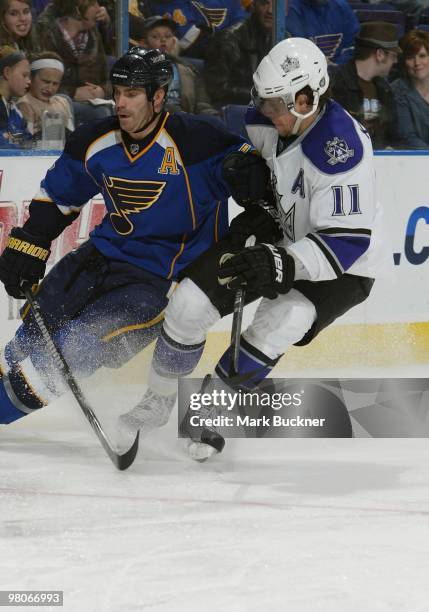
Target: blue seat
{"points": [[233, 117]]}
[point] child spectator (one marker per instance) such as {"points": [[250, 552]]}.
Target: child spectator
{"points": [[69, 28], [411, 91], [16, 25], [186, 91], [47, 71], [14, 82]]}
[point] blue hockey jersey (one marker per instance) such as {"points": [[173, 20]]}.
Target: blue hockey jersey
{"points": [[331, 24], [165, 197], [208, 14]]}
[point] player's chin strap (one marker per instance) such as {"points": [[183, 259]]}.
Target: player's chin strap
{"points": [[300, 118], [152, 119], [296, 126]]}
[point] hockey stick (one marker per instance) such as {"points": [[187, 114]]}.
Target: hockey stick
{"points": [[237, 319], [122, 462], [239, 302]]}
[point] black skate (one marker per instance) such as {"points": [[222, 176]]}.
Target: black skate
{"points": [[204, 440]]}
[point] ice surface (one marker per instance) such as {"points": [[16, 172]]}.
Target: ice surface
{"points": [[270, 525]]}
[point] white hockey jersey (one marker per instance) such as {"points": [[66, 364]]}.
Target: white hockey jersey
{"points": [[326, 195]]}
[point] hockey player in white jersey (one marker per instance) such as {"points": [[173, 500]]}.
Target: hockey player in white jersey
{"points": [[330, 248]]}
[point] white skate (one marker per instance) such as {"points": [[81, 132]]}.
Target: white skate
{"points": [[151, 412]]}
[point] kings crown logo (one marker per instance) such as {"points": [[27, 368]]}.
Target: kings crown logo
{"points": [[338, 151], [290, 63]]}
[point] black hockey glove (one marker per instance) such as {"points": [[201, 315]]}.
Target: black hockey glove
{"points": [[247, 176], [263, 269], [260, 221], [24, 259]]}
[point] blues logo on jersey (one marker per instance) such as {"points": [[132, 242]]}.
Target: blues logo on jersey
{"points": [[129, 198]]}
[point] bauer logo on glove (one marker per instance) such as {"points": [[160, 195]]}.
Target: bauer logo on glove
{"points": [[264, 269], [278, 263]]}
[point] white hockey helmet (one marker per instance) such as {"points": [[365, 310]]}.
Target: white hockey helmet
{"points": [[290, 66]]}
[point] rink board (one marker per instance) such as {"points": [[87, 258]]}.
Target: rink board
{"points": [[389, 328]]}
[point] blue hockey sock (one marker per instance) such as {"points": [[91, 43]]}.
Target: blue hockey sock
{"points": [[253, 367]]}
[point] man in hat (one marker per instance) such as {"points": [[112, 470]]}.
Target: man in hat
{"points": [[361, 86]]}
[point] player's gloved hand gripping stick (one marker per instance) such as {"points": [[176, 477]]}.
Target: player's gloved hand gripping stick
{"points": [[122, 462]]}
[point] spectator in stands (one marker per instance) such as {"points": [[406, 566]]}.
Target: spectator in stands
{"points": [[69, 27], [330, 24], [411, 91], [105, 18], [186, 91], [198, 21], [14, 82], [234, 54], [16, 25], [361, 86], [47, 72]]}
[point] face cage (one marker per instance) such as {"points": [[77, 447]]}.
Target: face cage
{"points": [[288, 101]]}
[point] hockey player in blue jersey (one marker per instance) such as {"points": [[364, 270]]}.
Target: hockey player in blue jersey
{"points": [[166, 201], [330, 249]]}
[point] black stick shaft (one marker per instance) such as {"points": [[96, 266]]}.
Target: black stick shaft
{"points": [[237, 319], [122, 462]]}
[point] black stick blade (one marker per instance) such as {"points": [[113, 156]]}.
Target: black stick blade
{"points": [[124, 461]]}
